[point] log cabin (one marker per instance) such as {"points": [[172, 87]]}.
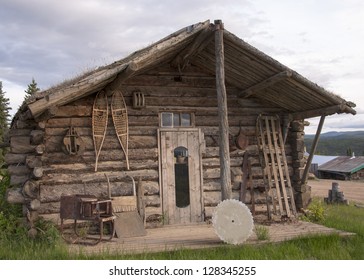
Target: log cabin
{"points": [[192, 135]]}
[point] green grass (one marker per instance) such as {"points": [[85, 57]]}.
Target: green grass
{"points": [[15, 244], [325, 247]]}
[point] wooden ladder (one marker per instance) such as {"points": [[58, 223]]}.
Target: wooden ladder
{"points": [[279, 193]]}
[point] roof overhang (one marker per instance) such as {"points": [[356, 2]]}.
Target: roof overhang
{"points": [[253, 73]]}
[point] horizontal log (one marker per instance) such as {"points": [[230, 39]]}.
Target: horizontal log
{"points": [[87, 131], [168, 81], [102, 165], [211, 185], [173, 91], [15, 196], [55, 143], [16, 180], [108, 155], [214, 198], [152, 211], [53, 193], [55, 219], [26, 124], [49, 208], [146, 174], [66, 122], [211, 173], [33, 161], [74, 111], [215, 162], [21, 145], [36, 137], [20, 132], [152, 201], [18, 170], [11, 158], [151, 188], [215, 185]]}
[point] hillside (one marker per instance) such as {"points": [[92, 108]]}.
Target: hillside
{"points": [[337, 143]]}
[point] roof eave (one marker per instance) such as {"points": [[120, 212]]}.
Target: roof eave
{"points": [[105, 75]]}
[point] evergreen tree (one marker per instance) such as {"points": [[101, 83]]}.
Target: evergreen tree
{"points": [[32, 88], [4, 122]]}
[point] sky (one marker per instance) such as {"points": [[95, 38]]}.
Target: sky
{"points": [[52, 41]]}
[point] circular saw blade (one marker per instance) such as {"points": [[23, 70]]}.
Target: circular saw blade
{"points": [[232, 221]]}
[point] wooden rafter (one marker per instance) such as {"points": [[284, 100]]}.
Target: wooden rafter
{"points": [[265, 83], [341, 108], [200, 43]]}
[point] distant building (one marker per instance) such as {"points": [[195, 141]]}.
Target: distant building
{"points": [[318, 160], [343, 168]]}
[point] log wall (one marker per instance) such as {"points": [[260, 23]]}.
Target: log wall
{"points": [[37, 156]]}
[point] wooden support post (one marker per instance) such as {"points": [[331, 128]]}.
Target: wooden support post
{"points": [[313, 149], [225, 175]]}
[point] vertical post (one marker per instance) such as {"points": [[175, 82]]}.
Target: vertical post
{"points": [[313, 150], [225, 176]]}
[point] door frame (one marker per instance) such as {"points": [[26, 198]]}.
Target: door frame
{"points": [[201, 148]]}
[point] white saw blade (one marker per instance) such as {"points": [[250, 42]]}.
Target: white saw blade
{"points": [[232, 221]]}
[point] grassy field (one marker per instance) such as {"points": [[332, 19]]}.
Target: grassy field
{"points": [[349, 218]]}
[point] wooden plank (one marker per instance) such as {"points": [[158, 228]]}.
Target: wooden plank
{"points": [[163, 179], [195, 175]]}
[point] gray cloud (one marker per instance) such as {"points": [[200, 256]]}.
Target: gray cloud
{"points": [[53, 40]]}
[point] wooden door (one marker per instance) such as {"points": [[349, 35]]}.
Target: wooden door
{"points": [[181, 175]]}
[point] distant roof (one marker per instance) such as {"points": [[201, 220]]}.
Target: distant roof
{"points": [[251, 72], [343, 164], [322, 159]]}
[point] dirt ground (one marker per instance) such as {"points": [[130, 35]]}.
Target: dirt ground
{"points": [[353, 190]]}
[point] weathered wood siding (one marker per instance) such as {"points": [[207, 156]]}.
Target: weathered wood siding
{"points": [[165, 89]]}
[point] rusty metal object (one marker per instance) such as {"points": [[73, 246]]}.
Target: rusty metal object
{"points": [[73, 143], [86, 209], [241, 141]]}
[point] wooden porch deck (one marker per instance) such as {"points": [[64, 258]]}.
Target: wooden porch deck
{"points": [[169, 238]]}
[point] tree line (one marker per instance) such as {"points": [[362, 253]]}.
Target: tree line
{"points": [[5, 117], [338, 143]]}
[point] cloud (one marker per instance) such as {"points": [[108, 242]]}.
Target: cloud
{"points": [[342, 122], [53, 40], [41, 37]]}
